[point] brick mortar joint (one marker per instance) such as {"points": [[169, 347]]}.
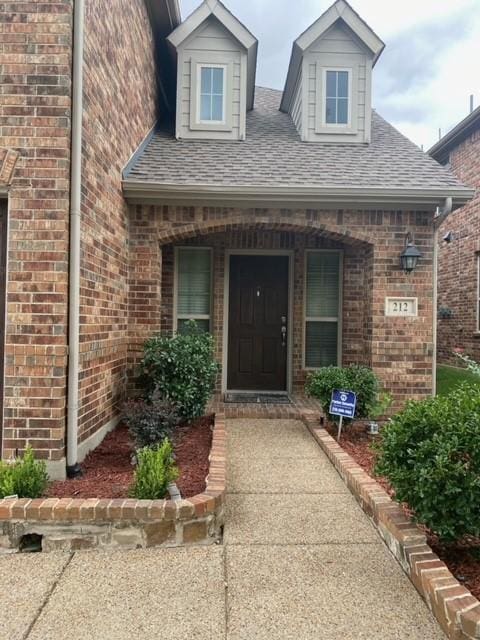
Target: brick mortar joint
{"points": [[347, 466], [80, 510]]}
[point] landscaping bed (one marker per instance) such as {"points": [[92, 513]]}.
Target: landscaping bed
{"points": [[462, 559], [108, 471]]}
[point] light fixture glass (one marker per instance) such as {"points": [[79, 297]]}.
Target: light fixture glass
{"points": [[410, 256]]}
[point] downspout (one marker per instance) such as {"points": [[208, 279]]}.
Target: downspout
{"points": [[73, 468], [443, 213]]}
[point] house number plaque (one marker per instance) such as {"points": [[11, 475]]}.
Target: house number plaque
{"points": [[401, 307]]}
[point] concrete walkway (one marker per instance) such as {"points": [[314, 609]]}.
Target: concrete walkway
{"points": [[300, 562]]}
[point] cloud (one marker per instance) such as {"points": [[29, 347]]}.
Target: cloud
{"points": [[424, 78]]}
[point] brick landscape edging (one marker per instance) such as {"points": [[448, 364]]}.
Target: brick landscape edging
{"points": [[72, 524], [454, 607]]}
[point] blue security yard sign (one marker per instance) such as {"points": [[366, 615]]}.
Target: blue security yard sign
{"points": [[343, 403]]}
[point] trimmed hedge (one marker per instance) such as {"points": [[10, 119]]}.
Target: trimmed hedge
{"points": [[430, 453]]}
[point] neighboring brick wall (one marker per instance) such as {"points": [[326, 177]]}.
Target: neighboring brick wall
{"points": [[119, 110], [35, 108], [399, 349], [458, 275]]}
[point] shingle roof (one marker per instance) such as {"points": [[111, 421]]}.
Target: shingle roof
{"points": [[274, 156], [441, 150]]}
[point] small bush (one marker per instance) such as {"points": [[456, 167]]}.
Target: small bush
{"points": [[25, 477], [355, 378], [149, 423], [430, 453], [182, 369], [155, 471]]}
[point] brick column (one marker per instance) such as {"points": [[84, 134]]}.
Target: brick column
{"points": [[144, 284], [402, 348]]}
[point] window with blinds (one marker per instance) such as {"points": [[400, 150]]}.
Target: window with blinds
{"points": [[322, 308], [193, 287]]}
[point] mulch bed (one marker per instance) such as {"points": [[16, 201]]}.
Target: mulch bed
{"points": [[462, 558], [108, 470]]}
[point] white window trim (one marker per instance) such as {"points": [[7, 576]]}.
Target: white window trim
{"points": [[188, 316], [224, 67], [332, 125], [326, 63], [211, 59], [338, 319]]}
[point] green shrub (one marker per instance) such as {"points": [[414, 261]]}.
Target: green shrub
{"points": [[155, 471], [430, 453], [355, 378], [25, 477], [149, 423], [181, 369]]}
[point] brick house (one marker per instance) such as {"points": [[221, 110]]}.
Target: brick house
{"points": [[459, 246], [147, 181]]}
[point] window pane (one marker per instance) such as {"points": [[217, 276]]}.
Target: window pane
{"points": [[323, 284], [342, 111], [203, 325], [205, 107], [343, 84], [194, 282], [217, 83], [206, 80], [217, 108], [331, 84], [321, 344], [331, 114]]}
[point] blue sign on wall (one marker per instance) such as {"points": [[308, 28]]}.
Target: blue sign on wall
{"points": [[343, 403]]}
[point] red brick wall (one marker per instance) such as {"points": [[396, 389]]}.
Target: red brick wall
{"points": [[35, 107], [458, 278], [399, 349], [120, 109]]}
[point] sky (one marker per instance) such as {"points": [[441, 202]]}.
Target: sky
{"points": [[424, 78]]}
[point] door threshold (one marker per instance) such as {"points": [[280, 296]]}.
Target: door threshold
{"points": [[257, 397]]}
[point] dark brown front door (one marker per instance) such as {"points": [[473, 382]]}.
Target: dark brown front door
{"points": [[257, 346], [3, 273]]}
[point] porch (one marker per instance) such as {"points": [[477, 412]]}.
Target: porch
{"points": [[285, 292], [279, 304]]}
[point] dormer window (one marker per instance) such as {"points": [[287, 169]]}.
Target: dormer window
{"points": [[216, 64], [212, 94], [337, 97], [328, 92]]}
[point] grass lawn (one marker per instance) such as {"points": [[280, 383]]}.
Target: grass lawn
{"points": [[450, 377]]}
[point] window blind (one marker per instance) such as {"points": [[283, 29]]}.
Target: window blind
{"points": [[322, 308], [194, 282]]}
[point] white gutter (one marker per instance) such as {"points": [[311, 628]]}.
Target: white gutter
{"points": [[442, 215], [73, 468], [149, 192]]}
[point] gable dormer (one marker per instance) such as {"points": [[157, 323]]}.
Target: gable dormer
{"points": [[328, 92], [216, 66]]}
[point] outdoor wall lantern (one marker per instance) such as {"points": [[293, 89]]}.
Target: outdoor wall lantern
{"points": [[410, 255]]}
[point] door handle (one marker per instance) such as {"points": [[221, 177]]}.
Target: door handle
{"points": [[284, 331]]}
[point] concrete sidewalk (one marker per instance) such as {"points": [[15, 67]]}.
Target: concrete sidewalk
{"points": [[300, 561]]}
